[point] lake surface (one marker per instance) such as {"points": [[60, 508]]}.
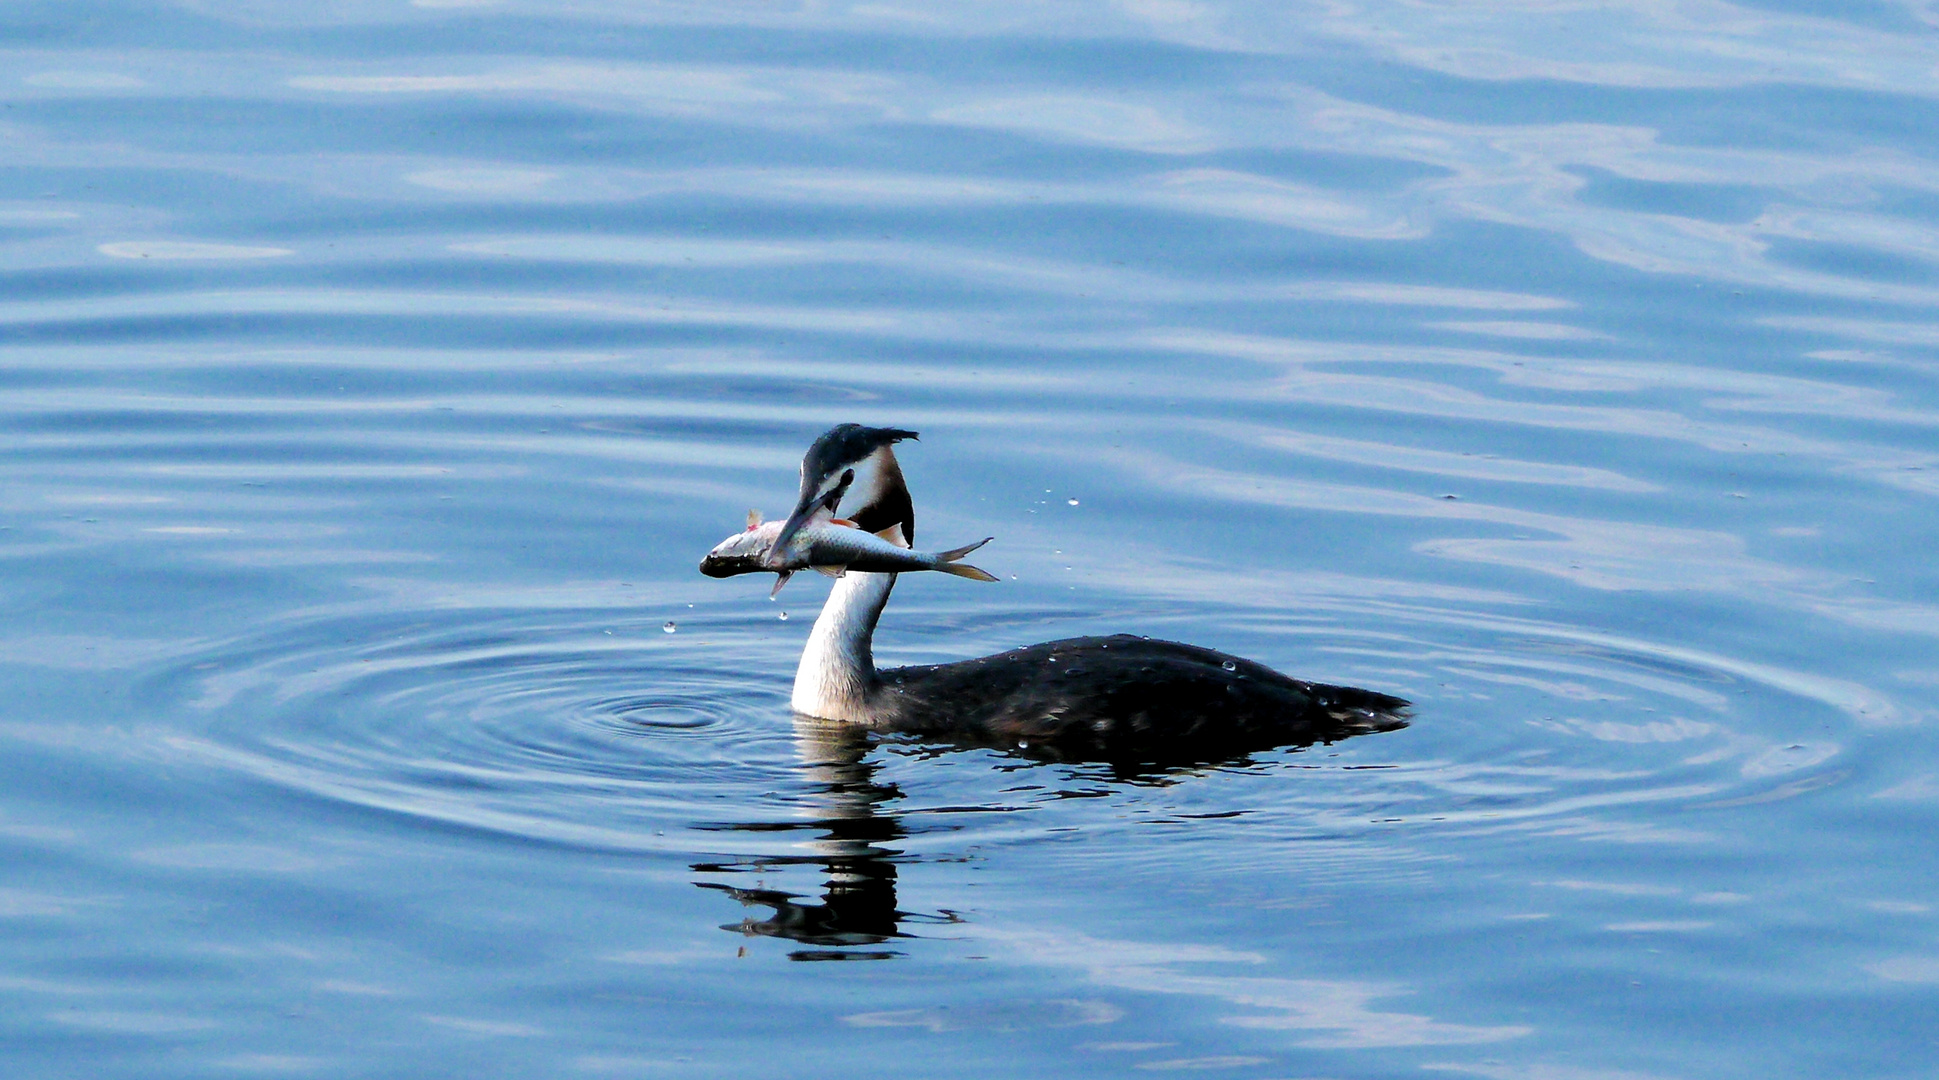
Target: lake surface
{"points": [[374, 379]]}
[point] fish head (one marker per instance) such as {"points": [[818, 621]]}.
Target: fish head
{"points": [[745, 552]]}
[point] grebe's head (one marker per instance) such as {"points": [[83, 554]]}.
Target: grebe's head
{"points": [[850, 454]]}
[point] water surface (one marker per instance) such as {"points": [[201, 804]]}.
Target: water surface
{"points": [[374, 379]]}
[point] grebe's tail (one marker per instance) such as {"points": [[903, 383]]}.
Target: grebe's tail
{"points": [[1362, 710]]}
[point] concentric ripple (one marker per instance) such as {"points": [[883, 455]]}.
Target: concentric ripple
{"points": [[595, 728], [596, 732]]}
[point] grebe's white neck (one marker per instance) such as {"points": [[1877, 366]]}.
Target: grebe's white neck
{"points": [[838, 666]]}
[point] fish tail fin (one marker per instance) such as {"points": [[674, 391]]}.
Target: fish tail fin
{"points": [[948, 562], [957, 553]]}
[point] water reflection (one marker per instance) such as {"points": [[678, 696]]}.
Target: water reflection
{"points": [[368, 388], [858, 901], [853, 814]]}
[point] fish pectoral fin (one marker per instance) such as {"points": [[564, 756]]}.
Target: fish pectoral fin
{"points": [[893, 534], [844, 523], [779, 580], [832, 571]]}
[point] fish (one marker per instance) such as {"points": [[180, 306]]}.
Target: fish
{"points": [[832, 546]]}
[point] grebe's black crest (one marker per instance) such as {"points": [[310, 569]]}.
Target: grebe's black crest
{"points": [[844, 446]]}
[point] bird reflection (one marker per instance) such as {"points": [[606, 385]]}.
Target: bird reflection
{"points": [[852, 813], [858, 901]]}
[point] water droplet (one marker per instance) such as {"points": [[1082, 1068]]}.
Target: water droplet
{"points": [[784, 616], [1073, 502], [1229, 665], [669, 627]]}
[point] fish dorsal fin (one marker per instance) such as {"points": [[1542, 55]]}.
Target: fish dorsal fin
{"points": [[893, 534], [832, 571], [753, 520]]}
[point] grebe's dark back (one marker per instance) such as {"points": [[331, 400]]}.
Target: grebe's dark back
{"points": [[1123, 697]]}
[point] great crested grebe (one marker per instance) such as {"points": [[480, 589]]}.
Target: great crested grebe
{"points": [[1115, 698]]}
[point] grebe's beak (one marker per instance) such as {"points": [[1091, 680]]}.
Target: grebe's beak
{"points": [[818, 508]]}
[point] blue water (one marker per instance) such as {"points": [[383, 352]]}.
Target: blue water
{"points": [[375, 375]]}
